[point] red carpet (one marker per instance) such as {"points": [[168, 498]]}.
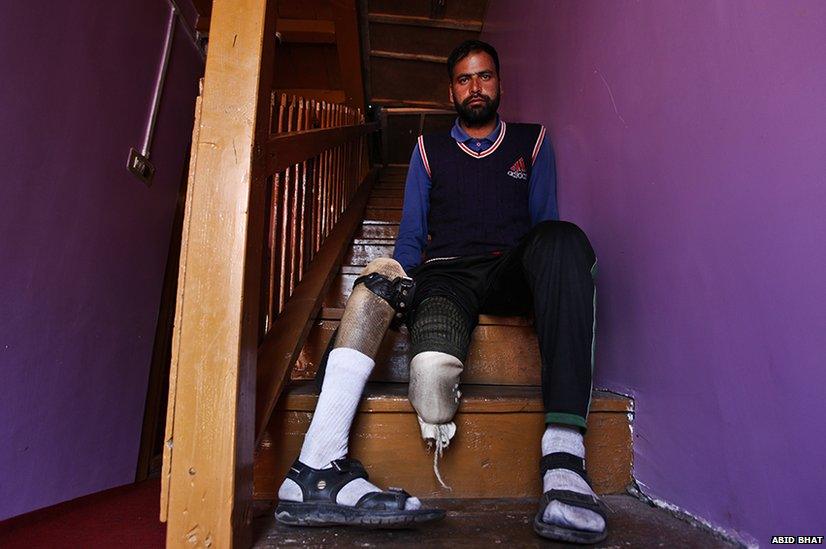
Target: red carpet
{"points": [[121, 517]]}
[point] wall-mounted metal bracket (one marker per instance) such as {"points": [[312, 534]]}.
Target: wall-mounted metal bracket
{"points": [[140, 165]]}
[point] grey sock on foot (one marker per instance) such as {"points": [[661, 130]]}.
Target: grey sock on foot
{"points": [[559, 438]]}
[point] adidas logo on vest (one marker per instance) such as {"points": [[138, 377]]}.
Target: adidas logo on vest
{"points": [[518, 170]]}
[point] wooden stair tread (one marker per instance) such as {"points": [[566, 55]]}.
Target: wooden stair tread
{"points": [[480, 399], [500, 522]]}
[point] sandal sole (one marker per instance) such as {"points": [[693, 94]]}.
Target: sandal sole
{"points": [[560, 533], [327, 514]]}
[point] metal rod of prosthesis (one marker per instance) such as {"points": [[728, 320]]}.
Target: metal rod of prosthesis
{"points": [[156, 96]]}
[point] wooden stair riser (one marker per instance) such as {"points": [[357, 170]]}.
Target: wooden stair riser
{"points": [[492, 455], [498, 355], [381, 231], [385, 202], [383, 216], [406, 80], [417, 40], [363, 253]]}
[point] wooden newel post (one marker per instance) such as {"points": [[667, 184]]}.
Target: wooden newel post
{"points": [[207, 478]]}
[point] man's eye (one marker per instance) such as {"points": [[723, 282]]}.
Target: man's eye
{"points": [[463, 80], [485, 77]]}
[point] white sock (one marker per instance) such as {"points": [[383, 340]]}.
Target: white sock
{"points": [[344, 380], [558, 438], [328, 436]]}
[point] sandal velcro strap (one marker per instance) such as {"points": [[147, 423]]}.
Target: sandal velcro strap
{"points": [[575, 499], [324, 484], [392, 499], [563, 460]]}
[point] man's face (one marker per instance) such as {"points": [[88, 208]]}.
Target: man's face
{"points": [[474, 89]]}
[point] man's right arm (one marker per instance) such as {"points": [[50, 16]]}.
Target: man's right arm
{"points": [[412, 239]]}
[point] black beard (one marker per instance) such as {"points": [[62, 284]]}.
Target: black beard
{"points": [[477, 116]]}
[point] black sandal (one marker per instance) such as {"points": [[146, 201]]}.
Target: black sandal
{"points": [[319, 488], [564, 460]]}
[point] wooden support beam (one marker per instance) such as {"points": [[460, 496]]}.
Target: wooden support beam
{"points": [[413, 21], [288, 149], [348, 44], [409, 56], [280, 349], [207, 479]]}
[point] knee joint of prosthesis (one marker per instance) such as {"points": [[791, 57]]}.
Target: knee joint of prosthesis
{"points": [[398, 292], [370, 309]]}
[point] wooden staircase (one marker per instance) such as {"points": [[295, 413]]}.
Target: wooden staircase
{"points": [[500, 420], [492, 463]]}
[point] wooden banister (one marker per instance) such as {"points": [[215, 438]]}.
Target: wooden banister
{"points": [[281, 347], [207, 473], [277, 186], [287, 149]]}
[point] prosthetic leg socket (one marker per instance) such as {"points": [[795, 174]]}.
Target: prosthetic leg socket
{"points": [[434, 394]]}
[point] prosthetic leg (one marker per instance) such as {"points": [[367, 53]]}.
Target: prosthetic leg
{"points": [[381, 293], [324, 486], [441, 335]]}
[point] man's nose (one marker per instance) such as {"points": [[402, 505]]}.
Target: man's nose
{"points": [[475, 84]]}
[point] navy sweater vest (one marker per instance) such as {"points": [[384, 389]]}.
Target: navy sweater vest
{"points": [[479, 202]]}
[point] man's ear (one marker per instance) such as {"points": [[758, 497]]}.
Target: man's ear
{"points": [[450, 92]]}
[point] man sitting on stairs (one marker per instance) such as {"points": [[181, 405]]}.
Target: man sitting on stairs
{"points": [[480, 206]]}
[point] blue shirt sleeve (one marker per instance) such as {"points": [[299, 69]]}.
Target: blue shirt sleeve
{"points": [[542, 198], [412, 239]]}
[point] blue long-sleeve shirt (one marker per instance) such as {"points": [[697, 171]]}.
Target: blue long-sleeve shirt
{"points": [[412, 238]]}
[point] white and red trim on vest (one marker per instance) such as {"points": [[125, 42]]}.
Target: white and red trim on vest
{"points": [[492, 148], [424, 156], [539, 141], [486, 152]]}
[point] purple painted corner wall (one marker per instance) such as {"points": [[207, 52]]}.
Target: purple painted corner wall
{"points": [[691, 145], [84, 243]]}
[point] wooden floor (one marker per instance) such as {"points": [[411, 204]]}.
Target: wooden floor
{"points": [[500, 522]]}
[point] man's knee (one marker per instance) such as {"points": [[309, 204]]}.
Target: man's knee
{"points": [[553, 234], [441, 325]]}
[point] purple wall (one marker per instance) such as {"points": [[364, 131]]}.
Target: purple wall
{"points": [[691, 144], [84, 243]]}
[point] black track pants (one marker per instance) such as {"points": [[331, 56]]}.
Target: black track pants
{"points": [[550, 272]]}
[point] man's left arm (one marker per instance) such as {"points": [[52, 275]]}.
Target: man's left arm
{"points": [[542, 199]]}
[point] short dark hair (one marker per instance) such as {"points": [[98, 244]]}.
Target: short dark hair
{"points": [[466, 48]]}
